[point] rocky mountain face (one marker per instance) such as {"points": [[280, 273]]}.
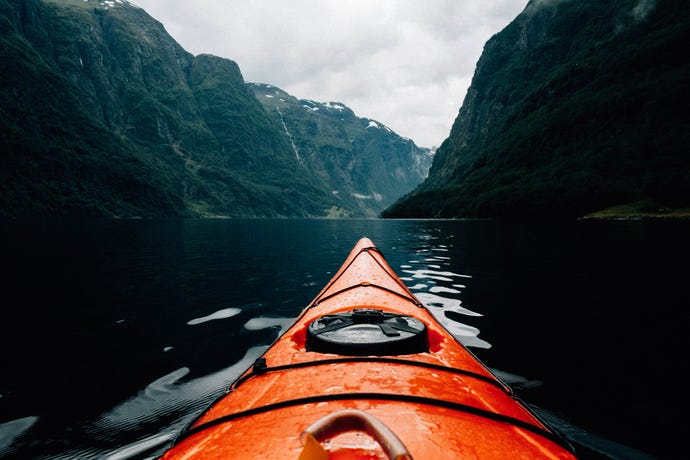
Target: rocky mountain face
{"points": [[361, 161], [575, 106], [102, 113]]}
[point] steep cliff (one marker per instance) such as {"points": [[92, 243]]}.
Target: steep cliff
{"points": [[365, 164], [574, 107], [102, 113]]}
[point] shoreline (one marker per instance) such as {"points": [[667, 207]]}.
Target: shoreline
{"points": [[640, 210]]}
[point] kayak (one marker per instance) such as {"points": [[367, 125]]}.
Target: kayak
{"points": [[367, 372]]}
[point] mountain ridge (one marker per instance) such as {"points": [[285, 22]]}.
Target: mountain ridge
{"points": [[360, 159], [105, 114]]}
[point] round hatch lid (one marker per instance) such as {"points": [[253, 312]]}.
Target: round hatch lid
{"points": [[365, 331]]}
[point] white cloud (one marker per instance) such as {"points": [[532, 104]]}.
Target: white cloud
{"points": [[405, 63]]}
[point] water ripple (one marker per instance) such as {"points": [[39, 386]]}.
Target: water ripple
{"points": [[446, 303], [259, 323], [166, 399], [440, 290], [9, 431], [220, 314]]}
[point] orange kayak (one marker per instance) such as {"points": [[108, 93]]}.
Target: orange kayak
{"points": [[367, 372]]}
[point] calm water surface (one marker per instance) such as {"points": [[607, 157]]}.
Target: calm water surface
{"points": [[116, 333]]}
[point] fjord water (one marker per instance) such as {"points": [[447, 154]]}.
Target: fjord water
{"points": [[115, 333]]}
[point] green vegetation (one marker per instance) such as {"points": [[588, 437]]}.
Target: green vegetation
{"points": [[368, 165], [640, 209], [102, 113], [590, 113], [338, 213]]}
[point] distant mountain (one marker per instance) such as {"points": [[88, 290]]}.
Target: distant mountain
{"points": [[576, 106], [102, 113], [362, 161]]}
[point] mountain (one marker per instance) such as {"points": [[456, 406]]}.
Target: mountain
{"points": [[102, 113], [362, 161], [574, 107]]}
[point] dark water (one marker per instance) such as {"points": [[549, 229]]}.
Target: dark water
{"points": [[115, 333]]}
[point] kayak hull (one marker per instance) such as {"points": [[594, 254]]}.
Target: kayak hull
{"points": [[440, 402]]}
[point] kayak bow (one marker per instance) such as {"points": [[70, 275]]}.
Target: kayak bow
{"points": [[367, 372]]}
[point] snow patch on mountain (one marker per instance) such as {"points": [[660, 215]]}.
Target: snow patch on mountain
{"points": [[377, 125], [112, 3], [334, 105]]}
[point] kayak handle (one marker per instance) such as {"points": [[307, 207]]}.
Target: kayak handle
{"points": [[353, 420]]}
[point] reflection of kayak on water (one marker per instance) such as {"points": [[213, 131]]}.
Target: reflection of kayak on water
{"points": [[367, 372]]}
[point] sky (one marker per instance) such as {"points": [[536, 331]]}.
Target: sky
{"points": [[404, 63]]}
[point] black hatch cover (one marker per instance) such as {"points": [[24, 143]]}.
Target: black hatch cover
{"points": [[366, 331]]}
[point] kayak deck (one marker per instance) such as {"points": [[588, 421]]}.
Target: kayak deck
{"points": [[437, 402]]}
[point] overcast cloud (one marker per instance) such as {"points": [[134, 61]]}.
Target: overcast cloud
{"points": [[404, 63]]}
